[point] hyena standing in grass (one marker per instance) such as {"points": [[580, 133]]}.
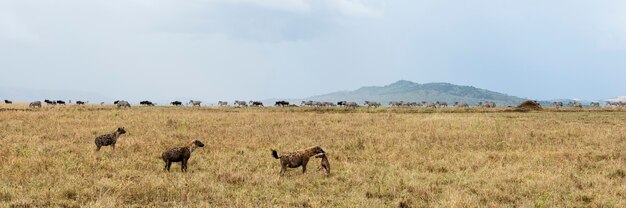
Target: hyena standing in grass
{"points": [[109, 139], [180, 154], [297, 158]]}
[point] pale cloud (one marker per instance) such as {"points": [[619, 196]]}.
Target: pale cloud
{"points": [[354, 8], [297, 6], [243, 49], [15, 33], [358, 8], [11, 30], [611, 27]]}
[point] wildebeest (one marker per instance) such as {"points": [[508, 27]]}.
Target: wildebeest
{"points": [[50, 102], [115, 102], [595, 104], [80, 102], [35, 104], [60, 102], [146, 103], [441, 104], [371, 104], [195, 102], [324, 164], [612, 103], [352, 104], [487, 104], [616, 103], [557, 104], [222, 103], [8, 102], [409, 104], [241, 103], [395, 103], [430, 105], [180, 154], [307, 103], [176, 103], [311, 103], [281, 103], [328, 104], [256, 103], [122, 103], [342, 103], [461, 105], [575, 104]]}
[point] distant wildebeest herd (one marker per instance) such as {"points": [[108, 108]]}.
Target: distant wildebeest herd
{"points": [[321, 104]]}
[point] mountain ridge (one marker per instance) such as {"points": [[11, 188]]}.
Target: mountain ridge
{"points": [[404, 90]]}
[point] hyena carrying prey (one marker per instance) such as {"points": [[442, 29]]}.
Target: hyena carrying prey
{"points": [[324, 165], [109, 139], [297, 158]]}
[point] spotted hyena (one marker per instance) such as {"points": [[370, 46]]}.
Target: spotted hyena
{"points": [[180, 154], [109, 139], [297, 158]]}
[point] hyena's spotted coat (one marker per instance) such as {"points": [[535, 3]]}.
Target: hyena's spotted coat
{"points": [[109, 139], [297, 158], [180, 154]]}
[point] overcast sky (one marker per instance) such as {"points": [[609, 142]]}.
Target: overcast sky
{"points": [[255, 49]]}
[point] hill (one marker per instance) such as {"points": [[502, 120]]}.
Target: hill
{"points": [[409, 91]]}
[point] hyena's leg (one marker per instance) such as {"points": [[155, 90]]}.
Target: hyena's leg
{"points": [[283, 169], [183, 166], [304, 165]]}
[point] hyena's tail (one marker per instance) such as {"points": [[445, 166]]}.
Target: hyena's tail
{"points": [[275, 154]]}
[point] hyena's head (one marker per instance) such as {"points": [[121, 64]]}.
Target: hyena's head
{"points": [[198, 143], [121, 130], [317, 150]]}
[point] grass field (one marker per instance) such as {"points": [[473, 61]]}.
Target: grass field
{"points": [[379, 158]]}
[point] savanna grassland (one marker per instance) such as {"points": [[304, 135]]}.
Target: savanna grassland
{"points": [[379, 158]]}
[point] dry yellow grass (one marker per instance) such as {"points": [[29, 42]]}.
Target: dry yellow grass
{"points": [[379, 158]]}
